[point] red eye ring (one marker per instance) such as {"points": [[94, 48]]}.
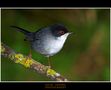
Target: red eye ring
{"points": [[61, 32]]}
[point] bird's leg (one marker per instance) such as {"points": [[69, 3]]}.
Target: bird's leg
{"points": [[30, 53], [29, 56], [49, 62]]}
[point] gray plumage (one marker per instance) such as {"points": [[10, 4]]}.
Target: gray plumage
{"points": [[47, 41]]}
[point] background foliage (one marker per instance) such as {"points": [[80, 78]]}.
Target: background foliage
{"points": [[85, 55]]}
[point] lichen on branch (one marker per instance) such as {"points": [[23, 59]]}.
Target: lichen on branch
{"points": [[30, 63]]}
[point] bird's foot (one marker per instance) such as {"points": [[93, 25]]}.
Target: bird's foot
{"points": [[28, 59], [49, 67]]}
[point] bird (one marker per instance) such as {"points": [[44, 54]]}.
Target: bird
{"points": [[48, 40]]}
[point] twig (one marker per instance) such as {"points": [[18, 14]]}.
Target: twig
{"points": [[30, 63]]}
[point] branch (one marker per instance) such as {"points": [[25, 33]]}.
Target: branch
{"points": [[30, 63]]}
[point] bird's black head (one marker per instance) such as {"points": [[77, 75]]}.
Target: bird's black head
{"points": [[58, 30]]}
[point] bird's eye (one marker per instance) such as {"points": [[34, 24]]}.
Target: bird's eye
{"points": [[61, 32]]}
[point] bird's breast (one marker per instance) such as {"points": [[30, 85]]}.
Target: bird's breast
{"points": [[49, 45], [55, 45]]}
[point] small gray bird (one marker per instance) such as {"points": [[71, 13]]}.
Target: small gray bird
{"points": [[47, 41]]}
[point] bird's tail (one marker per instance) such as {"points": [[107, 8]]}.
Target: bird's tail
{"points": [[21, 30], [28, 35]]}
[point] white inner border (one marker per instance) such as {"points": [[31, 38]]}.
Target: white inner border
{"points": [[0, 44], [53, 8], [110, 44]]}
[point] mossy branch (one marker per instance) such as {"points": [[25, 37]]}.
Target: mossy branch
{"points": [[30, 63]]}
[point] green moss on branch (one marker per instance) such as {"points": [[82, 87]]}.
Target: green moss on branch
{"points": [[30, 63]]}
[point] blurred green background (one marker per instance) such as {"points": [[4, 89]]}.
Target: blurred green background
{"points": [[85, 55]]}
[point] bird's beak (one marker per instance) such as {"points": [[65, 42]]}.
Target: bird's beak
{"points": [[70, 33]]}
